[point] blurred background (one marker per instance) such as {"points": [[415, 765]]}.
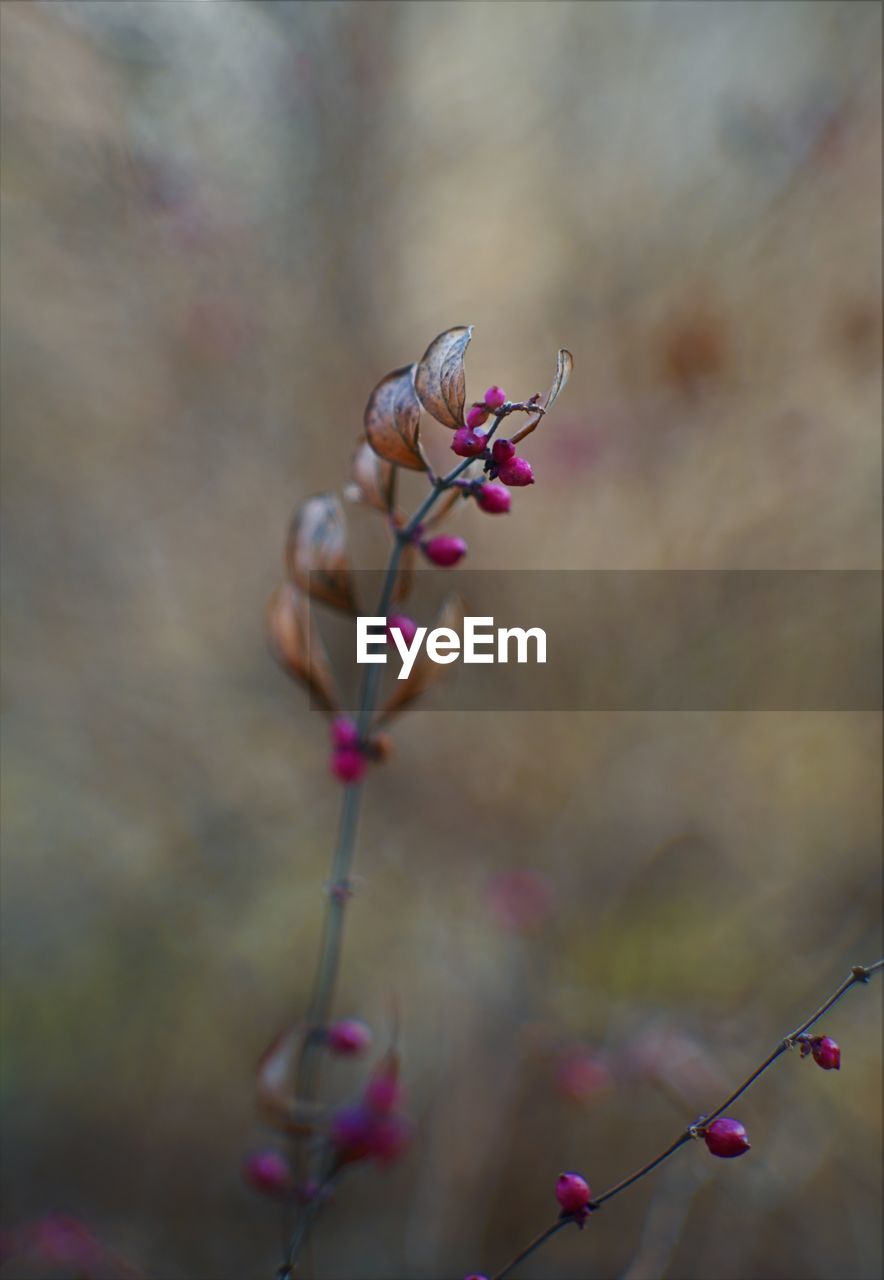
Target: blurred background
{"points": [[221, 224]]}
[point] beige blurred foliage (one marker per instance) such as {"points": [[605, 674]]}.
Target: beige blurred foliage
{"points": [[221, 224]]}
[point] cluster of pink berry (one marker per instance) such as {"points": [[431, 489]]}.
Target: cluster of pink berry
{"points": [[350, 755], [501, 463], [372, 1128]]}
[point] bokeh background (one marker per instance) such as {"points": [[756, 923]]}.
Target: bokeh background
{"points": [[222, 223]]}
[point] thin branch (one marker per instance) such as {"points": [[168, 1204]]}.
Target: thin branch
{"points": [[859, 974], [322, 995]]}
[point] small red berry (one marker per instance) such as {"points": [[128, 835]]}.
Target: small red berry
{"points": [[726, 1138], [383, 1091], [495, 397], [444, 550], [516, 472], [477, 416], [267, 1172], [344, 732], [502, 451], [402, 623], [494, 499], [468, 443], [347, 764], [826, 1053], [573, 1194], [348, 1037]]}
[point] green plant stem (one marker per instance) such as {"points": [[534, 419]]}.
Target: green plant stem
{"points": [[859, 974], [325, 982]]}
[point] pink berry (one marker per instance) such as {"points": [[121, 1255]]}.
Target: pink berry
{"points": [[477, 416], [402, 623], [347, 764], [520, 899], [344, 732], [494, 499], [726, 1138], [516, 472], [468, 443], [581, 1074], [267, 1172], [502, 451], [348, 1037], [444, 550], [359, 1133], [495, 397], [826, 1053], [383, 1091], [573, 1194]]}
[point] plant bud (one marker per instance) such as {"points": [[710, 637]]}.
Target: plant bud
{"points": [[267, 1172], [826, 1053], [726, 1138], [573, 1194], [493, 498], [348, 1037], [468, 443], [495, 397], [444, 550], [517, 472]]}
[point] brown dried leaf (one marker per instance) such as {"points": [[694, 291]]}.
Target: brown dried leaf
{"points": [[439, 378], [405, 577], [425, 672], [392, 420], [297, 645], [374, 480], [275, 1089], [564, 365], [316, 552]]}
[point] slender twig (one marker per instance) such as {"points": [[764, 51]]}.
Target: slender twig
{"points": [[859, 974], [322, 995]]}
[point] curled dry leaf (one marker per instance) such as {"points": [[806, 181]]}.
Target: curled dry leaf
{"points": [[297, 645], [425, 672], [405, 574], [392, 420], [439, 378], [564, 365], [316, 552], [274, 1086], [374, 480]]}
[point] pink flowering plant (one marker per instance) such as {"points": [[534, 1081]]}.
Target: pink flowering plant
{"points": [[322, 1139]]}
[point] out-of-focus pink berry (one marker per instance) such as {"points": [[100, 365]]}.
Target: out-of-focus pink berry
{"points": [[347, 764], [348, 1037], [402, 622], [826, 1053], [495, 397], [522, 899], [516, 472], [444, 550], [468, 443], [494, 499], [581, 1074], [502, 451], [573, 1194], [268, 1172], [383, 1091], [477, 416], [726, 1138], [360, 1133], [475, 1276], [344, 732]]}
